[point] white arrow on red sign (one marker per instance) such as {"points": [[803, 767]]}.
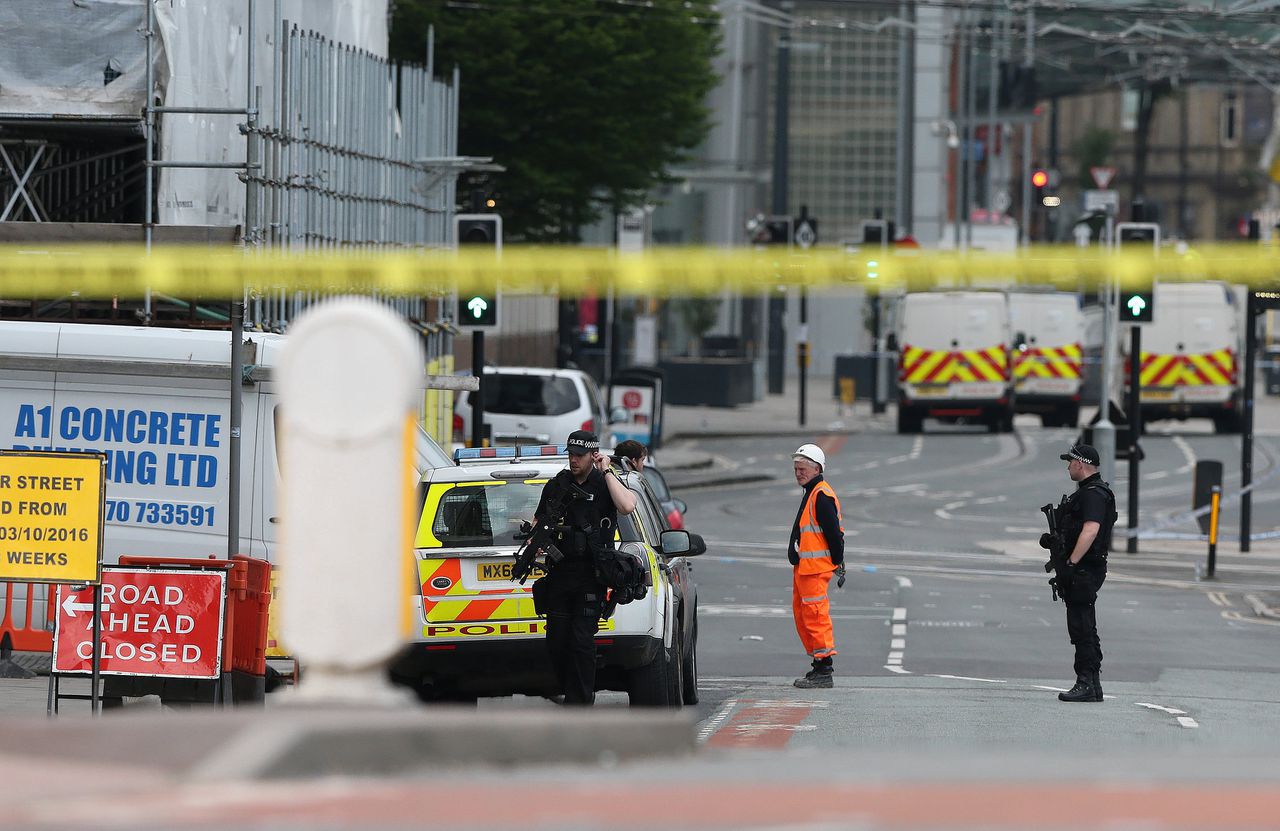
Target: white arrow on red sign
{"points": [[70, 607], [1102, 176]]}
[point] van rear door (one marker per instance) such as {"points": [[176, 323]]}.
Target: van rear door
{"points": [[1051, 363], [982, 343]]}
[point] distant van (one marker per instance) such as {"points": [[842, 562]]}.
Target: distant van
{"points": [[1048, 365], [1190, 362], [157, 403], [953, 359]]}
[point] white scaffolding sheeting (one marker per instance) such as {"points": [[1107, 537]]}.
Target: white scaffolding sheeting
{"points": [[204, 58], [82, 59]]}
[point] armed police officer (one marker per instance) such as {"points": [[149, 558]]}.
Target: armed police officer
{"points": [[572, 595], [1085, 521]]}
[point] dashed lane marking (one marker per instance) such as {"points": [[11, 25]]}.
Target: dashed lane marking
{"points": [[1183, 719], [968, 678], [712, 724], [1187, 721]]}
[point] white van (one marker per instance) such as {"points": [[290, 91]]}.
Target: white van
{"points": [[1191, 355], [157, 403], [953, 359], [535, 405], [1048, 364]]}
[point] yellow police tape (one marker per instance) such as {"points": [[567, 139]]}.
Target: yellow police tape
{"points": [[102, 271]]}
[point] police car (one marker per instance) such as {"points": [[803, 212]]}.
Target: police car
{"points": [[476, 632]]}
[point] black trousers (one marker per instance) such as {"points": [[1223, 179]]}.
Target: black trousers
{"points": [[574, 602], [1082, 621]]}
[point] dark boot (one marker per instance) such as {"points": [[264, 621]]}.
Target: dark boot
{"points": [[1095, 681], [1082, 691], [820, 677]]}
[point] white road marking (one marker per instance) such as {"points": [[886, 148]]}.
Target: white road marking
{"points": [[1187, 721], [1170, 710], [967, 678], [903, 582], [899, 613], [1159, 474], [899, 629], [898, 643], [713, 724], [1187, 452], [1016, 529], [898, 670], [1050, 689]]}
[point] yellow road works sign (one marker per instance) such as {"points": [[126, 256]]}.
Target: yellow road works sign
{"points": [[51, 511], [574, 271]]}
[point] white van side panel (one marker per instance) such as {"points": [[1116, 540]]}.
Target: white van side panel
{"points": [[165, 436]]}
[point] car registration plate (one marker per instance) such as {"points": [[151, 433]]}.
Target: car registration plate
{"points": [[930, 390], [1157, 395], [494, 572]]}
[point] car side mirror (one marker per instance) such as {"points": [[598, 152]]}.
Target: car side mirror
{"points": [[674, 543], [681, 505], [697, 545], [618, 415]]}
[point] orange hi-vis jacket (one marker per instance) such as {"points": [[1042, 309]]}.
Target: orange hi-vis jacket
{"points": [[814, 549]]}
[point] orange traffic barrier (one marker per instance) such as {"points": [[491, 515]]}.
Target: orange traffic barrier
{"points": [[28, 634]]}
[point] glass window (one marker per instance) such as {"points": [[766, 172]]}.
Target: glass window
{"points": [[657, 482], [484, 515], [532, 395]]}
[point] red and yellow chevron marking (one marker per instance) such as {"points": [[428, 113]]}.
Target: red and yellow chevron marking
{"points": [[928, 366], [1049, 362], [459, 603], [1212, 369]]}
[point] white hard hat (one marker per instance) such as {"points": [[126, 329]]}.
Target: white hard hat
{"points": [[811, 452]]}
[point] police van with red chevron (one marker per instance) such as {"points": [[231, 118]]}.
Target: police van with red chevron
{"points": [[476, 632]]}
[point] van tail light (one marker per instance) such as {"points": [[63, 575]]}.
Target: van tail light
{"points": [[589, 425]]}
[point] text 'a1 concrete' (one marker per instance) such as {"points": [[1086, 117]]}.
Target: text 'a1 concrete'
{"points": [[51, 512]]}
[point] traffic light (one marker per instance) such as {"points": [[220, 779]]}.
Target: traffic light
{"points": [[478, 231], [1044, 184], [1138, 305], [477, 311], [779, 231]]}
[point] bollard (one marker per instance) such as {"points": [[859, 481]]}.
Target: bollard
{"points": [[1215, 498], [350, 378]]}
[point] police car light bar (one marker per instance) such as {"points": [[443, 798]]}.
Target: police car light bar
{"points": [[471, 454], [528, 450]]}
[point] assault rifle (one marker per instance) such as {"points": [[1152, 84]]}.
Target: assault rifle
{"points": [[1057, 546], [541, 536]]}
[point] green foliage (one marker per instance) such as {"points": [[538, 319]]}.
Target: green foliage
{"points": [[698, 314], [1092, 149], [585, 103]]}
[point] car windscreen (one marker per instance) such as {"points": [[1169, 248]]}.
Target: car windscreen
{"points": [[530, 395], [657, 482], [488, 514]]}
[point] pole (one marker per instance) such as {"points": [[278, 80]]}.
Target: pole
{"points": [[1246, 429], [149, 175], [959, 77], [802, 349], [1104, 432], [1029, 61], [993, 126], [1135, 428], [903, 206], [95, 665], [1214, 500], [477, 397], [970, 136], [782, 119]]}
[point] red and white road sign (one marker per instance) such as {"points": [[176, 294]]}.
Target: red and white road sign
{"points": [[160, 622], [1102, 176]]}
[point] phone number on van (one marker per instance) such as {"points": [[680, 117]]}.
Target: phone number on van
{"points": [[158, 513]]}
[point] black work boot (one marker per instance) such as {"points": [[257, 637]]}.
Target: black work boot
{"points": [[1095, 681], [820, 677], [1082, 691]]}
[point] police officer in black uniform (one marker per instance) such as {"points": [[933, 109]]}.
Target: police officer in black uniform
{"points": [[1088, 517], [574, 596]]}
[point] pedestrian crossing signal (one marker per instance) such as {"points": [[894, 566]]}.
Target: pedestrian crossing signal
{"points": [[476, 311]]}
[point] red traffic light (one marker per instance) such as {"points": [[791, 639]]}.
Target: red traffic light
{"points": [[1040, 178]]}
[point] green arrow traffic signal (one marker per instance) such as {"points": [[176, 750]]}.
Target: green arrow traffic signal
{"points": [[1137, 307]]}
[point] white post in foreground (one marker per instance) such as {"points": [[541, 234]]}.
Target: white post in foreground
{"points": [[350, 378]]}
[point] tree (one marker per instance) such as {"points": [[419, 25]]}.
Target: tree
{"points": [[586, 103], [1093, 149], [698, 314]]}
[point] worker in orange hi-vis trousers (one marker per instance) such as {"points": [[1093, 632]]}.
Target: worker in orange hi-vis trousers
{"points": [[817, 552]]}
